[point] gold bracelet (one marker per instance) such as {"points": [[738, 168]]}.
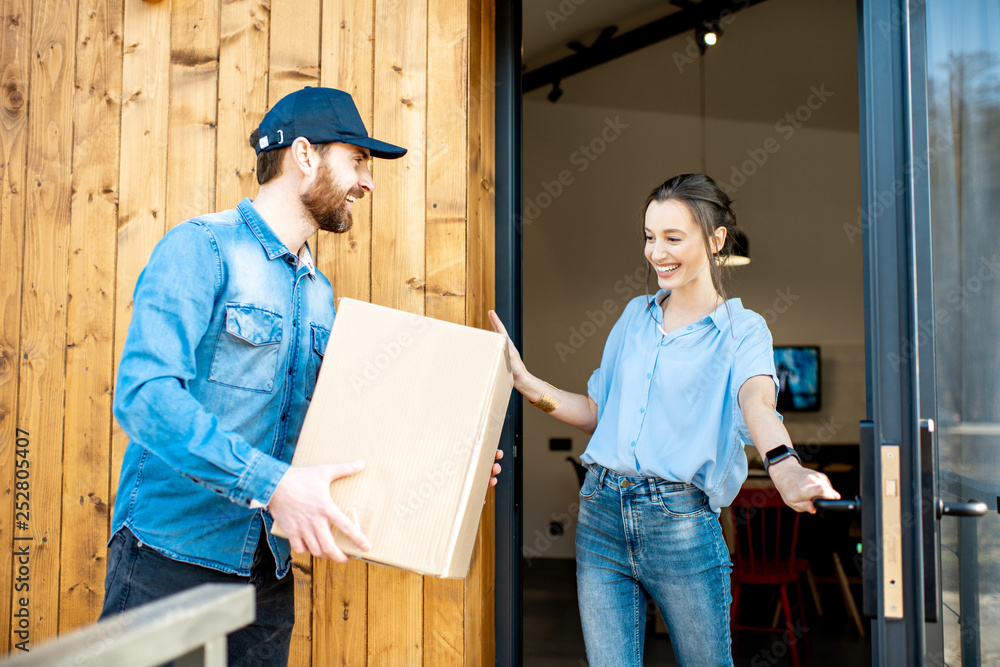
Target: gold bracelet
{"points": [[546, 402]]}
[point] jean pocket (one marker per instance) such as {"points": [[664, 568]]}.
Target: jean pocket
{"points": [[246, 354], [320, 337], [591, 485], [683, 503]]}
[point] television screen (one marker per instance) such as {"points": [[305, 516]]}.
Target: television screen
{"points": [[798, 378]]}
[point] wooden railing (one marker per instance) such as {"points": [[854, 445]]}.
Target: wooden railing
{"points": [[189, 628]]}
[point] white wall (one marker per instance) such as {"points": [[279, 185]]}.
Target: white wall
{"points": [[583, 250]]}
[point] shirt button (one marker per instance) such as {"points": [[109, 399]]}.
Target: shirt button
{"points": [[689, 328], [289, 371], [284, 417], [649, 375], [642, 410], [633, 443]]}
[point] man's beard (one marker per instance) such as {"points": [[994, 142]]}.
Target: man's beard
{"points": [[327, 203]]}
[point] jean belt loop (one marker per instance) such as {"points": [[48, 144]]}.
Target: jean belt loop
{"points": [[600, 481]]}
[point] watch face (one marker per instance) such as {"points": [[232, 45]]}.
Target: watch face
{"points": [[778, 452]]}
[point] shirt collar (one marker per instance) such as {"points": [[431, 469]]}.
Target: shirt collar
{"points": [[272, 244], [719, 316], [270, 241]]}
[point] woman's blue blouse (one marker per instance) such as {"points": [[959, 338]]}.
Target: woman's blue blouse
{"points": [[667, 405]]}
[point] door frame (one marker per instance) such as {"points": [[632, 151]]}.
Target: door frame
{"points": [[895, 230], [508, 598]]}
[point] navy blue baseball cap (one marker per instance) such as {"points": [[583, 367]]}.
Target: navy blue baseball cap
{"points": [[320, 115]]}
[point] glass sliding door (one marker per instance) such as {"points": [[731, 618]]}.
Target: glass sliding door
{"points": [[963, 165], [930, 108]]}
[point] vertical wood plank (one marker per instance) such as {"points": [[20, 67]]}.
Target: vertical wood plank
{"points": [[482, 79], [43, 309], [447, 163], [191, 128], [300, 650], [245, 26], [142, 194], [15, 47], [347, 64], [293, 64], [487, 242], [395, 617], [294, 47], [91, 312], [486, 245], [398, 273], [340, 613], [395, 598], [447, 158], [479, 594], [340, 600]]}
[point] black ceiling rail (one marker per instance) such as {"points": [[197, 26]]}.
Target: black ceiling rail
{"points": [[605, 47]]}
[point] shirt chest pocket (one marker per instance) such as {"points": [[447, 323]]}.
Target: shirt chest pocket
{"points": [[247, 351], [320, 337]]}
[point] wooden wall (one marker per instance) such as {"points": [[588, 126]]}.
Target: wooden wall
{"points": [[121, 118]]}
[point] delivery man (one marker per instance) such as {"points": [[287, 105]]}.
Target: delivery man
{"points": [[230, 324]]}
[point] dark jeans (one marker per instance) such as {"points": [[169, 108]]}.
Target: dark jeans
{"points": [[137, 574]]}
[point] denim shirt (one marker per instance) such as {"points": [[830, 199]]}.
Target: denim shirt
{"points": [[227, 335], [667, 405]]}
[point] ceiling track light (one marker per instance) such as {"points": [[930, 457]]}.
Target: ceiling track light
{"points": [[708, 35], [555, 93]]}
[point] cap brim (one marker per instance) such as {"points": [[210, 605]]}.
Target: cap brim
{"points": [[377, 148]]}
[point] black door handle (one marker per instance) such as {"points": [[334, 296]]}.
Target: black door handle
{"points": [[970, 508], [828, 505]]}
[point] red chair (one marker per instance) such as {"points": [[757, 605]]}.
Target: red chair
{"points": [[765, 532]]}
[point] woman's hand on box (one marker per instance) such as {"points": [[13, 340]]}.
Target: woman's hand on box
{"points": [[496, 468]]}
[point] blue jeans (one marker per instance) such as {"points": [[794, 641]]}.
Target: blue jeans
{"points": [[640, 538], [138, 574]]}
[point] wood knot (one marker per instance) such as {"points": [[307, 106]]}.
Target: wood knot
{"points": [[397, 68], [407, 102], [15, 98]]}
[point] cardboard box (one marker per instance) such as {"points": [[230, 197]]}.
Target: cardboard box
{"points": [[422, 403]]}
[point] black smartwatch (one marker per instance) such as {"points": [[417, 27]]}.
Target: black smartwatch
{"points": [[780, 453]]}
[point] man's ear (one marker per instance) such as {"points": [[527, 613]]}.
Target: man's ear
{"points": [[303, 156]]}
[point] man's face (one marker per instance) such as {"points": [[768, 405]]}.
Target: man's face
{"points": [[342, 177]]}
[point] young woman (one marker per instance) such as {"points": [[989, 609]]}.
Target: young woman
{"points": [[685, 379]]}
